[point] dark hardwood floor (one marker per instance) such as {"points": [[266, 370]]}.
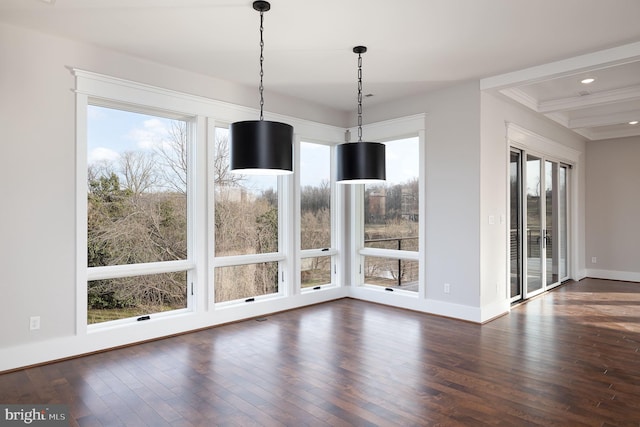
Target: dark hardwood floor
{"points": [[568, 358]]}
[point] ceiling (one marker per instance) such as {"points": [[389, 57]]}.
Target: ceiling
{"points": [[517, 48], [596, 95]]}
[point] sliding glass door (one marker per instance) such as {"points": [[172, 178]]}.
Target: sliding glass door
{"points": [[538, 222], [563, 221], [534, 222], [515, 224], [550, 235]]}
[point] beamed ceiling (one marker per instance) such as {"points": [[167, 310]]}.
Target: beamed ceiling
{"points": [[595, 95], [534, 52]]}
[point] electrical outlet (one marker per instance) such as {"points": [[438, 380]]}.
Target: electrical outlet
{"points": [[594, 260], [447, 288], [34, 323]]}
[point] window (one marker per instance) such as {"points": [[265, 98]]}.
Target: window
{"points": [[391, 220], [245, 281], [164, 231], [246, 229], [391, 273], [315, 215], [117, 298], [137, 213]]}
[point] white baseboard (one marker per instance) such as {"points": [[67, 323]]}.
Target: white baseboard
{"points": [[580, 274], [43, 351], [627, 276], [411, 301], [494, 310]]}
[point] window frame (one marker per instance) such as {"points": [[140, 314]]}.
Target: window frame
{"points": [[284, 198], [140, 269], [333, 250], [390, 130], [103, 91], [206, 113]]}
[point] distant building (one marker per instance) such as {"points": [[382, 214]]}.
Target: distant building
{"points": [[234, 194], [377, 205]]}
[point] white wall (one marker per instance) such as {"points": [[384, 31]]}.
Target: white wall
{"points": [[613, 209], [452, 193], [38, 181]]}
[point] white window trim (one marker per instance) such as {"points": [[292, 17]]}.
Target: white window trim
{"points": [[410, 126], [390, 253], [314, 253], [284, 184], [111, 91], [336, 225], [131, 270], [85, 273]]}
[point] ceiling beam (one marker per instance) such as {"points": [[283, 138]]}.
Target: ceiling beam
{"points": [[604, 120], [566, 67], [521, 96], [590, 100], [615, 134]]}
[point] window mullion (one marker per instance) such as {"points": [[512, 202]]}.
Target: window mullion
{"points": [[131, 270]]}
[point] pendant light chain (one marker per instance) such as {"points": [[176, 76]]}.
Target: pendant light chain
{"points": [[359, 97], [261, 147], [360, 162], [261, 61]]}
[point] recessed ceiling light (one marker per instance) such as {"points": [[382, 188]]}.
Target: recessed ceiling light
{"points": [[587, 81], [633, 122]]}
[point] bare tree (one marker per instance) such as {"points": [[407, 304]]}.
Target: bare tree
{"points": [[139, 216], [173, 154], [315, 229], [99, 169], [221, 171], [139, 171]]}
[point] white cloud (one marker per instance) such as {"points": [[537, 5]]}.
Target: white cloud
{"points": [[102, 153], [151, 135], [156, 126]]}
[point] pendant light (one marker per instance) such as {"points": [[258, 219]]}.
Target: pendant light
{"points": [[260, 147], [360, 162]]}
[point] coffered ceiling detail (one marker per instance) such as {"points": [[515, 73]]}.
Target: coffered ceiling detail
{"points": [[595, 95]]}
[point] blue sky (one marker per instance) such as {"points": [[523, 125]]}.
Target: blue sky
{"points": [[111, 132]]}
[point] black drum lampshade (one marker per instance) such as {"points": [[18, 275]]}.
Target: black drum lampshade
{"points": [[261, 147], [361, 162]]}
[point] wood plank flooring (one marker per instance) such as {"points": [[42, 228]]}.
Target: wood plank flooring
{"points": [[568, 358]]}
